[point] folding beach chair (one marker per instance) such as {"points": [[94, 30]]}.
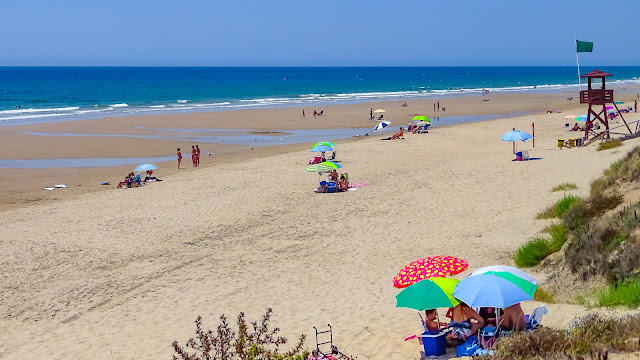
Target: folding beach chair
{"points": [[315, 160], [536, 317], [525, 155]]}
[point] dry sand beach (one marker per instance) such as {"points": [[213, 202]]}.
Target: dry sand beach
{"points": [[121, 274]]}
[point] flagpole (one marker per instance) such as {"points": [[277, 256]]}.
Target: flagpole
{"points": [[578, 62]]}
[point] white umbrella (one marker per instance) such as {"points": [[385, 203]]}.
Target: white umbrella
{"points": [[382, 125], [380, 111]]}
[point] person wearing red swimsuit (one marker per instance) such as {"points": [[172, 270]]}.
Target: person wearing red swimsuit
{"points": [[197, 155], [179, 158]]}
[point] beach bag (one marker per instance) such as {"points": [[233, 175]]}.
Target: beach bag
{"points": [[488, 337], [469, 347]]}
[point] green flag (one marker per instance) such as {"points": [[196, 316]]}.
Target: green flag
{"points": [[584, 46]]}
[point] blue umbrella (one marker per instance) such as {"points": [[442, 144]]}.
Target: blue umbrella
{"points": [[321, 148], [382, 125], [489, 291], [516, 135], [145, 167]]}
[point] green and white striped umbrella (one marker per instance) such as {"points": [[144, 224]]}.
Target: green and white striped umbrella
{"points": [[323, 167]]}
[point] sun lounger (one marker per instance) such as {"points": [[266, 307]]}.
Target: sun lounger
{"points": [[315, 160]]}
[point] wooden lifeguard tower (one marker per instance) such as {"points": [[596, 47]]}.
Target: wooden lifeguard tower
{"points": [[598, 97]]}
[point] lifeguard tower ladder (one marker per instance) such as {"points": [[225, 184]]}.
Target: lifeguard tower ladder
{"points": [[597, 97]]}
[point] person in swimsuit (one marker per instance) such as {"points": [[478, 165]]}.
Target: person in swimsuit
{"points": [[193, 155], [197, 155], [431, 322], [512, 319], [461, 323], [179, 158], [333, 175]]}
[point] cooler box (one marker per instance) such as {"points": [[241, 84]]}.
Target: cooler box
{"points": [[434, 342], [579, 142], [560, 143], [572, 142]]}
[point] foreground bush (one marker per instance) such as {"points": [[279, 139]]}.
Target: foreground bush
{"points": [[592, 335], [256, 342]]}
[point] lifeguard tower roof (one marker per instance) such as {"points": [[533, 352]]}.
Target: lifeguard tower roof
{"points": [[596, 73]]}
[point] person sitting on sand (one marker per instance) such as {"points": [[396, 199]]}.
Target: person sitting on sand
{"points": [[512, 319], [398, 135], [431, 322], [343, 183], [323, 187], [489, 315], [461, 324], [149, 178], [333, 175], [575, 127]]}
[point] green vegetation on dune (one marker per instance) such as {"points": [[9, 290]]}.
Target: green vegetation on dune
{"points": [[609, 144], [537, 249], [559, 208], [622, 293], [564, 187], [600, 242]]}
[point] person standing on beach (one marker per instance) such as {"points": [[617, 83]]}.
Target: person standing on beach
{"points": [[371, 113], [303, 114], [193, 155], [179, 158], [635, 105], [197, 155], [434, 107], [438, 105]]}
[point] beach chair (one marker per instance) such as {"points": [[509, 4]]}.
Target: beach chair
{"points": [[333, 156], [315, 160], [525, 155], [536, 317]]}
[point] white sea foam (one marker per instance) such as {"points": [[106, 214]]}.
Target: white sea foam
{"points": [[27, 111], [157, 106], [29, 116], [183, 101], [119, 105]]}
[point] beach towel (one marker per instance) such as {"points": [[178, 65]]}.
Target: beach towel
{"points": [[105, 183], [61, 186], [469, 347], [48, 188], [358, 185]]}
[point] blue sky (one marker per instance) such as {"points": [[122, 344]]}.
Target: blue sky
{"points": [[315, 33]]}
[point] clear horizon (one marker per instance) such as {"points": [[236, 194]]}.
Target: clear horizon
{"points": [[328, 34]]}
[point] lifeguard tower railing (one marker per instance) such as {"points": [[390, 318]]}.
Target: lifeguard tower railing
{"points": [[596, 97], [614, 130]]}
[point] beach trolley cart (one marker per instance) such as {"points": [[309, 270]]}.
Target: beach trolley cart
{"points": [[434, 342], [333, 351]]}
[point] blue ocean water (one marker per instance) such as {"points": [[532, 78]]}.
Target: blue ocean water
{"points": [[69, 93]]}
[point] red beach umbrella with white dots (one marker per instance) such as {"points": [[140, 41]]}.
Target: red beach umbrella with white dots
{"points": [[427, 268]]}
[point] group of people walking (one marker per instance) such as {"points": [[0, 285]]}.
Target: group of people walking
{"points": [[195, 156]]}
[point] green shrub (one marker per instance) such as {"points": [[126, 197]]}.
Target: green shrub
{"points": [[543, 296], [559, 208], [564, 187], [533, 252], [622, 293], [558, 237], [609, 144]]}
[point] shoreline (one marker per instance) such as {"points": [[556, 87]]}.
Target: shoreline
{"points": [[24, 186]]}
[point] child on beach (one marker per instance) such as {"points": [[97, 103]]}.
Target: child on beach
{"points": [[430, 320], [179, 158]]}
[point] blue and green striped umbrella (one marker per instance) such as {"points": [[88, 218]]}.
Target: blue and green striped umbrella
{"points": [[325, 143]]}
